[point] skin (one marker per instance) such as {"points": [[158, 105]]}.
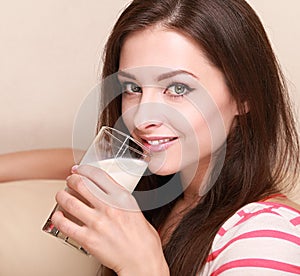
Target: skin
{"points": [[114, 236], [164, 48], [37, 164], [123, 240]]}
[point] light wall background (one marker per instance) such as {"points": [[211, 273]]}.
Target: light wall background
{"points": [[50, 53]]}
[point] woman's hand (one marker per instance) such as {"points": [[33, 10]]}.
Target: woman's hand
{"points": [[113, 229]]}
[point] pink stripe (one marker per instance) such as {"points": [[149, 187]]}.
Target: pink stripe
{"points": [[241, 213], [256, 234], [263, 263], [221, 232], [278, 205], [250, 215], [295, 221]]}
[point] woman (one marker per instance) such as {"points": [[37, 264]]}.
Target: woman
{"points": [[241, 223]]}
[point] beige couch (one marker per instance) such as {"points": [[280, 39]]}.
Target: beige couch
{"points": [[24, 248]]}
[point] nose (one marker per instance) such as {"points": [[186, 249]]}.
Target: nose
{"points": [[149, 112], [147, 116]]}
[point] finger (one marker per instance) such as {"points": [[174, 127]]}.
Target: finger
{"points": [[69, 228], [76, 208], [77, 195], [101, 178], [118, 197], [88, 190]]}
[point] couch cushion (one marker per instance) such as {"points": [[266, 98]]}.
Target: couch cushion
{"points": [[24, 248]]}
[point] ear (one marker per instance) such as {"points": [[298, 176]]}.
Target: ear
{"points": [[244, 109]]}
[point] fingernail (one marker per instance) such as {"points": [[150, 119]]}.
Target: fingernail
{"points": [[74, 168]]}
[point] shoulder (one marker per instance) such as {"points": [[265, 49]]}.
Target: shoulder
{"points": [[259, 236], [262, 215]]}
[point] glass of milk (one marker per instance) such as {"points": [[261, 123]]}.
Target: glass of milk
{"points": [[119, 155]]}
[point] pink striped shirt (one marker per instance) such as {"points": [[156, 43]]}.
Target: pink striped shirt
{"points": [[262, 238]]}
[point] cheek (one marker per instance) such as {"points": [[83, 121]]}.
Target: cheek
{"points": [[210, 127], [123, 110], [198, 138], [212, 117], [229, 119], [128, 110]]}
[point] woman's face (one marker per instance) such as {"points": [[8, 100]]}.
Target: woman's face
{"points": [[174, 100]]}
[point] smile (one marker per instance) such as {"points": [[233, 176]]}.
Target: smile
{"points": [[159, 144]]}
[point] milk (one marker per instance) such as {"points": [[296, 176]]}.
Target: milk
{"points": [[125, 171]]}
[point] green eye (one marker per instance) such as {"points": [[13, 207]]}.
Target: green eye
{"points": [[178, 89], [131, 87], [135, 88]]}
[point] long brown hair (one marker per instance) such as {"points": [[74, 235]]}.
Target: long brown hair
{"points": [[262, 151]]}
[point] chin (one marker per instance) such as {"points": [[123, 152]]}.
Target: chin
{"points": [[162, 171], [160, 168], [163, 167]]}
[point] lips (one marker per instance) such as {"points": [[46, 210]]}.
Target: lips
{"points": [[158, 143]]}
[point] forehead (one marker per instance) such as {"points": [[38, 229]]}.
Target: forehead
{"points": [[157, 46]]}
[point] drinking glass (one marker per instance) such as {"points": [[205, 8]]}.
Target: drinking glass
{"points": [[118, 154]]}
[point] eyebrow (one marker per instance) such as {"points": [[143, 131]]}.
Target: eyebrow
{"points": [[126, 75], [175, 73], [160, 77]]}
